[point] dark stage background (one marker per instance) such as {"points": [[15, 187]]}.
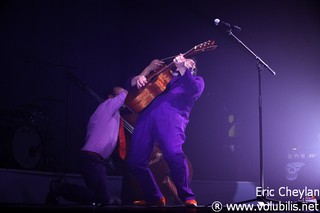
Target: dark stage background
{"points": [[56, 55]]}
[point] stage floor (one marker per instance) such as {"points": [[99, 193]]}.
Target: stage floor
{"points": [[81, 208]]}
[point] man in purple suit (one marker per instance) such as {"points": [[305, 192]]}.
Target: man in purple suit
{"points": [[165, 120]]}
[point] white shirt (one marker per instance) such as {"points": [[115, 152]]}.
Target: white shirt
{"points": [[103, 126]]}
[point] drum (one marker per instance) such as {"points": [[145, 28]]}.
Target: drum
{"points": [[34, 115], [38, 119], [20, 147]]}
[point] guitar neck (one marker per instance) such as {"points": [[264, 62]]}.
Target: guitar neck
{"points": [[169, 66]]}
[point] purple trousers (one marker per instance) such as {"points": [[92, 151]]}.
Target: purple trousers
{"points": [[167, 129]]}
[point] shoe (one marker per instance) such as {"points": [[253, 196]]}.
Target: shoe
{"points": [[139, 203], [115, 201], [158, 203], [51, 198], [55, 191], [190, 203]]}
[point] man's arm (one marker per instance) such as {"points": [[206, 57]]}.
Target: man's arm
{"points": [[141, 80]]}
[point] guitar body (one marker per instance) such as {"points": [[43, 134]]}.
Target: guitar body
{"points": [[139, 99]]}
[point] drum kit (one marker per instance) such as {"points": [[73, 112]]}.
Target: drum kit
{"points": [[22, 134]]}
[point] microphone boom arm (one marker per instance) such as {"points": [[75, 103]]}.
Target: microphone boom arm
{"points": [[259, 60]]}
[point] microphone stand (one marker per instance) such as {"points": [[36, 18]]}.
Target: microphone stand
{"points": [[260, 66]]}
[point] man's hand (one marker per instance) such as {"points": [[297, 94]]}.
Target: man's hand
{"points": [[155, 64], [141, 81]]}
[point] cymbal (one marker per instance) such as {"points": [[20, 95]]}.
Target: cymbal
{"points": [[48, 99]]}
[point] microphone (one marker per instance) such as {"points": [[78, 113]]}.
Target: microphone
{"points": [[218, 22]]}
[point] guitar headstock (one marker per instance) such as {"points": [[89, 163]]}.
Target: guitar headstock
{"points": [[205, 46]]}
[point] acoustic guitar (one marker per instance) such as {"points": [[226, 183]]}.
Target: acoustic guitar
{"points": [[138, 99]]}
